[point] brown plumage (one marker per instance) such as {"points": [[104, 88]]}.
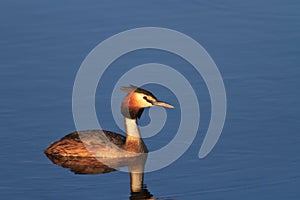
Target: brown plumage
{"points": [[72, 145]]}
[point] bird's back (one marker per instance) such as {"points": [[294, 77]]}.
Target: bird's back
{"points": [[90, 143]]}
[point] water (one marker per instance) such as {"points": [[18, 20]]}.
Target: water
{"points": [[255, 45]]}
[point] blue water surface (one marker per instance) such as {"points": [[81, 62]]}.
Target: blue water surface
{"points": [[255, 45]]}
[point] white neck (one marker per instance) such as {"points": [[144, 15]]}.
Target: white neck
{"points": [[132, 128]]}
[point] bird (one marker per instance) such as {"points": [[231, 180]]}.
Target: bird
{"points": [[108, 144]]}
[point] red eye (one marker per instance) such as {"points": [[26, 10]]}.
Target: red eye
{"points": [[149, 101]]}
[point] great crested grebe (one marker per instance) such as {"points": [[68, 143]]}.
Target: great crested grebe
{"points": [[94, 143]]}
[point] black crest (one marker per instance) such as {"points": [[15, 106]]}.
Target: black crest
{"points": [[133, 88]]}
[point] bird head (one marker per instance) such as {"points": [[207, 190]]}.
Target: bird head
{"points": [[137, 99]]}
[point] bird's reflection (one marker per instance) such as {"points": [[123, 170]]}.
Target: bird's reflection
{"points": [[92, 165]]}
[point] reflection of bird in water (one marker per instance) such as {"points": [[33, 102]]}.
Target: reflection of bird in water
{"points": [[92, 165], [99, 143]]}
